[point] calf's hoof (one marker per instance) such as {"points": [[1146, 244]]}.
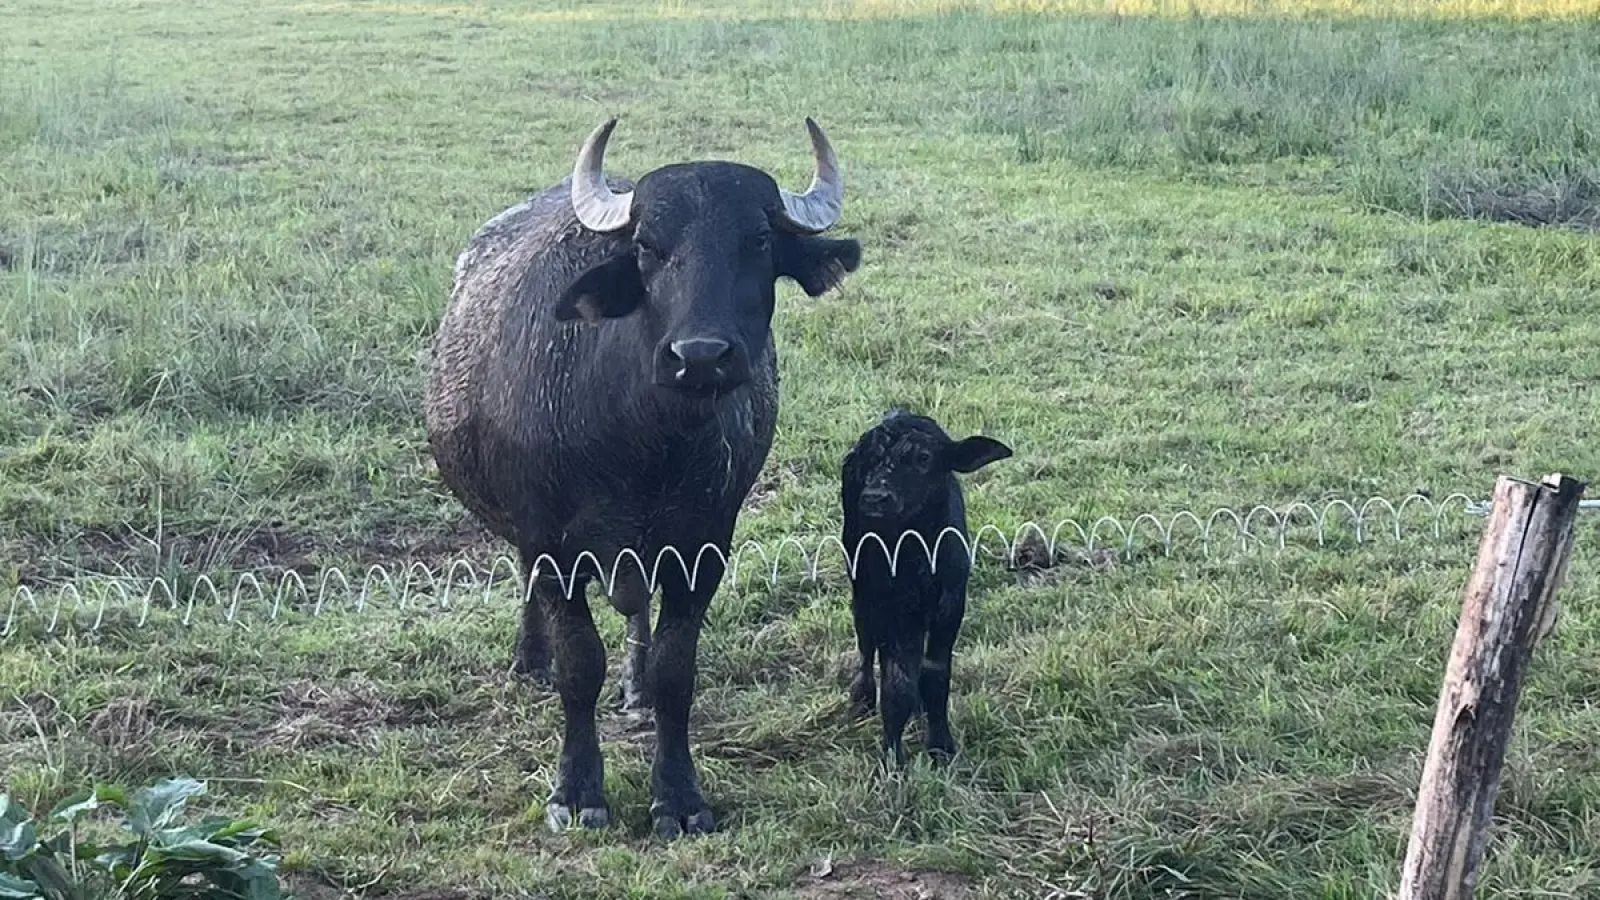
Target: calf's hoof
{"points": [[942, 754], [672, 824], [558, 817], [894, 758]]}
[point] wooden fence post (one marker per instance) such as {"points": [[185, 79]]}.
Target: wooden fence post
{"points": [[1509, 604]]}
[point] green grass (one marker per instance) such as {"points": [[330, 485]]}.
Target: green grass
{"points": [[1176, 262]]}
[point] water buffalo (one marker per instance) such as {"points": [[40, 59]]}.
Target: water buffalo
{"points": [[604, 378], [898, 488]]}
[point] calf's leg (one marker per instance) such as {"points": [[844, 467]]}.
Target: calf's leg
{"points": [[580, 668], [901, 665], [934, 684], [863, 689]]}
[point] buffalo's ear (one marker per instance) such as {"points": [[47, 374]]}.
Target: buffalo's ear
{"points": [[610, 290], [817, 264], [974, 453]]}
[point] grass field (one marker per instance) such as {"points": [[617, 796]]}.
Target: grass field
{"points": [[1178, 262]]}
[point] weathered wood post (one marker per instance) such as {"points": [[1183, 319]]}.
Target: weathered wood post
{"points": [[1509, 605]]}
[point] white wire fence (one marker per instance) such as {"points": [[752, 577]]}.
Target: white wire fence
{"points": [[86, 604]]}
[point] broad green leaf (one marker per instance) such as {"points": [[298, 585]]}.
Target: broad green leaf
{"points": [[53, 880], [60, 845], [10, 812], [14, 888], [248, 883], [216, 829], [195, 852], [244, 831], [157, 806], [71, 808], [118, 860], [217, 824], [171, 837], [18, 840]]}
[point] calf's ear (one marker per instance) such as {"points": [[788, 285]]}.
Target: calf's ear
{"points": [[817, 264], [974, 453], [608, 291]]}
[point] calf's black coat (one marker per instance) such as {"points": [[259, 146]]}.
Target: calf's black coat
{"points": [[898, 488]]}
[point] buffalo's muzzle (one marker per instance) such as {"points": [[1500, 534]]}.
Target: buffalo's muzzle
{"points": [[699, 363]]}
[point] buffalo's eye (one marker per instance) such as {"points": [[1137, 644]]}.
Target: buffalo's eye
{"points": [[761, 242], [924, 459]]}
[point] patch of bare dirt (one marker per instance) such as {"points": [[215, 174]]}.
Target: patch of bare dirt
{"points": [[618, 727], [301, 886], [466, 540], [31, 715], [351, 709], [881, 881], [311, 715], [125, 723]]}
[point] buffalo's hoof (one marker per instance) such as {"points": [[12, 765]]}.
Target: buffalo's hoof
{"points": [[558, 816], [942, 754], [670, 826], [635, 699], [532, 672], [862, 697]]}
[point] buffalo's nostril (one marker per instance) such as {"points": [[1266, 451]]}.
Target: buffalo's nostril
{"points": [[699, 362], [699, 351]]}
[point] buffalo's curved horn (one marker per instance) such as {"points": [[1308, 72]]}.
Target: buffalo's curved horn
{"points": [[818, 208], [592, 199]]}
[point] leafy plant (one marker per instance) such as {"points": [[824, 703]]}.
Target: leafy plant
{"points": [[164, 859]]}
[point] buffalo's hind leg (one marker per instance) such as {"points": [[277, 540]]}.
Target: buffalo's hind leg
{"points": [[677, 807], [636, 663], [531, 659], [631, 596], [580, 669]]}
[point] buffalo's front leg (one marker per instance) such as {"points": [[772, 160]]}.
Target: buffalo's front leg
{"points": [[677, 807], [580, 669]]}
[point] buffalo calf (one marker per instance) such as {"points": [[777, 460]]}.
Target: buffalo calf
{"points": [[899, 488]]}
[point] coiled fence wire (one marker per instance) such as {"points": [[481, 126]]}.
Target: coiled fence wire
{"points": [[83, 604]]}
